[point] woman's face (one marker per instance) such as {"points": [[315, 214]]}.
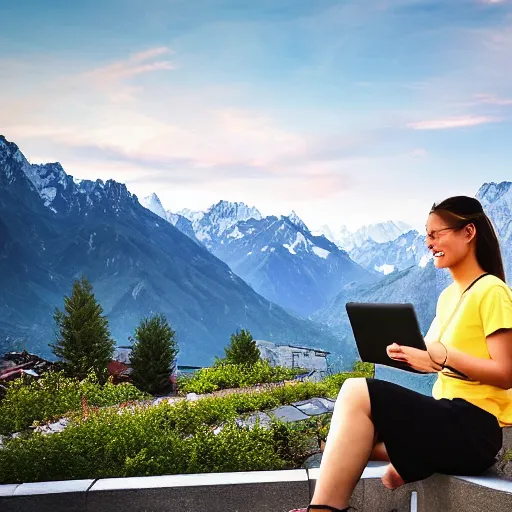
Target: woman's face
{"points": [[448, 245]]}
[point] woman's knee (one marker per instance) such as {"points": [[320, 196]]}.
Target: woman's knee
{"points": [[354, 391]]}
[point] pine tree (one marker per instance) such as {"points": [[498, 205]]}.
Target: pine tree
{"points": [[153, 356], [242, 349], [83, 337]]}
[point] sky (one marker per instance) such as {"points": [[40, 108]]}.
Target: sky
{"points": [[348, 112]]}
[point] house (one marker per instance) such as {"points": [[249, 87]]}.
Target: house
{"points": [[293, 356]]}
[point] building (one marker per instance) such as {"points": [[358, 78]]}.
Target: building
{"points": [[292, 356]]}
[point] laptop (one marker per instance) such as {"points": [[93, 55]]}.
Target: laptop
{"points": [[377, 325]]}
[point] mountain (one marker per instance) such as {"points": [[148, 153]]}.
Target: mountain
{"points": [[417, 285], [407, 250], [283, 261], [153, 204], [496, 199], [420, 286], [421, 283], [381, 232], [53, 230], [210, 226]]}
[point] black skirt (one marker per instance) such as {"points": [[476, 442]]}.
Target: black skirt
{"points": [[423, 435]]}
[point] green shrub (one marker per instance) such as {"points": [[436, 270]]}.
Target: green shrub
{"points": [[54, 395], [225, 375], [334, 382], [109, 444], [168, 438], [242, 349], [367, 368]]}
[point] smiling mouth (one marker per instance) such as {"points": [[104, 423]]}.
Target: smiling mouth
{"points": [[438, 254]]}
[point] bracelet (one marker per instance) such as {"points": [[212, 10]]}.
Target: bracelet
{"points": [[445, 359]]}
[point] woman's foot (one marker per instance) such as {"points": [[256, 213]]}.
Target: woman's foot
{"points": [[391, 479]]}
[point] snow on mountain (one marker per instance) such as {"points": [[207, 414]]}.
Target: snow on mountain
{"points": [[191, 215], [407, 250], [284, 262], [342, 237], [210, 226], [496, 199], [381, 232], [295, 219], [136, 263], [60, 192], [153, 203]]}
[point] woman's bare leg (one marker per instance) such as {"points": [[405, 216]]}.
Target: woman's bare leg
{"points": [[391, 479], [348, 447], [379, 452]]}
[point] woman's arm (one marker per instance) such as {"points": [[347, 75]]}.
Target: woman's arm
{"points": [[496, 371]]}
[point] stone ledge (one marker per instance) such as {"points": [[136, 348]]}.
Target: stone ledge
{"points": [[55, 487], [199, 479], [65, 496], [8, 489], [258, 491]]}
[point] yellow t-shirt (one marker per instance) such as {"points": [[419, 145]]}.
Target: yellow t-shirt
{"points": [[485, 308]]}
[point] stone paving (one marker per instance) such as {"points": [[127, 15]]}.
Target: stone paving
{"points": [[296, 411]]}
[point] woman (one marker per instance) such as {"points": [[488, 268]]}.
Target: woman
{"points": [[469, 345]]}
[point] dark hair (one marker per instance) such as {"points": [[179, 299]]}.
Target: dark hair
{"points": [[465, 210]]}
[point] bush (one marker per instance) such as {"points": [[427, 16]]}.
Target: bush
{"points": [[242, 349], [225, 375], [170, 438], [367, 368], [55, 395], [109, 444]]}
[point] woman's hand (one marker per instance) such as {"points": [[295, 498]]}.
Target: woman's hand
{"points": [[417, 359]]}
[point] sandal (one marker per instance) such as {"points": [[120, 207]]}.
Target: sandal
{"points": [[322, 507]]}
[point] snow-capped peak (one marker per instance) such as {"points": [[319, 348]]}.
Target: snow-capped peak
{"points": [[496, 199], [10, 150], [191, 215], [381, 232], [225, 214], [492, 192], [295, 219], [153, 203], [233, 211], [324, 230]]}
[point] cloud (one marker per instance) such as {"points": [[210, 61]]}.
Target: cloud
{"points": [[492, 99], [111, 79], [452, 122], [418, 154]]}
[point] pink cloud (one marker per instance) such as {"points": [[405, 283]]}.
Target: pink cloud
{"points": [[111, 78], [150, 54], [492, 99], [452, 122]]}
